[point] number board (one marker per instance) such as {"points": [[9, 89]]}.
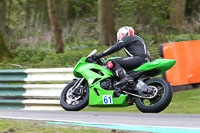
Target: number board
{"points": [[107, 99]]}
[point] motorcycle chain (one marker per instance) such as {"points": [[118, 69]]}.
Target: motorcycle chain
{"points": [[156, 91]]}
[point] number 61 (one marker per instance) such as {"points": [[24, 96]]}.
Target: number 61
{"points": [[107, 99]]}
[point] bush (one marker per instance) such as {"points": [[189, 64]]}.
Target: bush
{"points": [[184, 37], [29, 55], [34, 58]]}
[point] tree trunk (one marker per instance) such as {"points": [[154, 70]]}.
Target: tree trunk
{"points": [[4, 51], [45, 20], [177, 14], [63, 11], [56, 28], [35, 12], [3, 8], [28, 14], [195, 15], [106, 22]]}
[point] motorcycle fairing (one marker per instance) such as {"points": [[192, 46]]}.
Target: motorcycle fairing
{"points": [[161, 64], [96, 97], [94, 74], [91, 71]]}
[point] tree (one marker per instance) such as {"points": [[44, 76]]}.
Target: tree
{"points": [[3, 9], [106, 22], [177, 14], [193, 14], [55, 26], [26, 7], [4, 51], [62, 9]]}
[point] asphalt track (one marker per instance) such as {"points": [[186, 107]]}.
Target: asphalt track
{"points": [[163, 123]]}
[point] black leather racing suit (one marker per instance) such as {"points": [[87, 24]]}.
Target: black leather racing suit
{"points": [[135, 49]]}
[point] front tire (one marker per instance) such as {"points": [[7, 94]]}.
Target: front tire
{"points": [[71, 101], [160, 101]]}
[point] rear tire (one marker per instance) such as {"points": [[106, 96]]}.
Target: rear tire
{"points": [[79, 102], [160, 101]]}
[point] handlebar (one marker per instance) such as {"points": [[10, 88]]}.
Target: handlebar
{"points": [[93, 60]]}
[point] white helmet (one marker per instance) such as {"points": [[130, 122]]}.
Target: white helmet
{"points": [[124, 31]]}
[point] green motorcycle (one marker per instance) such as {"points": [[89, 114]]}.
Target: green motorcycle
{"points": [[94, 86]]}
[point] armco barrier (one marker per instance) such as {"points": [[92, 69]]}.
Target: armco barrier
{"points": [[186, 72], [33, 89]]}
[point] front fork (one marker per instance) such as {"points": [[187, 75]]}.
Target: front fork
{"points": [[77, 84], [75, 88]]}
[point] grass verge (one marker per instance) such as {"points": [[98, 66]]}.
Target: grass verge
{"points": [[25, 126], [18, 126]]}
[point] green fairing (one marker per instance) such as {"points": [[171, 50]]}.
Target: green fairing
{"points": [[162, 64], [95, 100], [83, 69]]}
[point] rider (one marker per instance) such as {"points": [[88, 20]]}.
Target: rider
{"points": [[136, 50]]}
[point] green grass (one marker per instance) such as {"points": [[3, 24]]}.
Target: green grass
{"points": [[185, 102], [17, 126]]}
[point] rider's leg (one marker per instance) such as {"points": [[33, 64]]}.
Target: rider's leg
{"points": [[125, 63], [124, 77], [119, 72]]}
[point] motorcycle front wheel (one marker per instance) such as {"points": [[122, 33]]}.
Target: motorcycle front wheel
{"points": [[75, 98], [160, 101]]}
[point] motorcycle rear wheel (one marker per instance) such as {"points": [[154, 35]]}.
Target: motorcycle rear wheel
{"points": [[160, 101], [74, 102]]}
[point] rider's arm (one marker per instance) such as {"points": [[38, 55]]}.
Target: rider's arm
{"points": [[113, 49]]}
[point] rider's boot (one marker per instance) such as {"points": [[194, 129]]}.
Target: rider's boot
{"points": [[124, 78]]}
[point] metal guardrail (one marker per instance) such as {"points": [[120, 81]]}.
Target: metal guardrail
{"points": [[33, 89]]}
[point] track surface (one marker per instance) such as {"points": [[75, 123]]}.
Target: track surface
{"points": [[178, 121]]}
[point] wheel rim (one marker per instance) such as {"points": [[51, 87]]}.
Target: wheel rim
{"points": [[158, 98], [74, 97]]}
